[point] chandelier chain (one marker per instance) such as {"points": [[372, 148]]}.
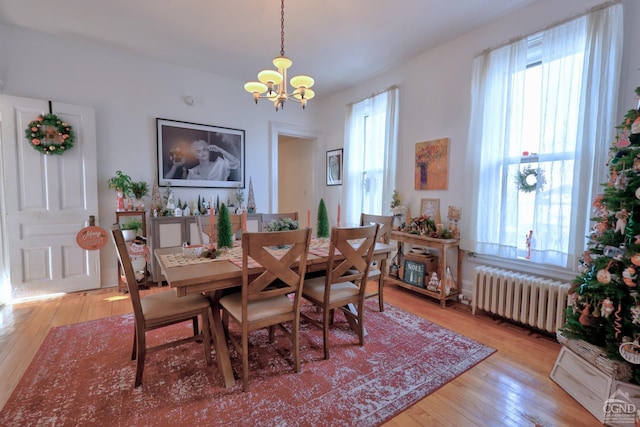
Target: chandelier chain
{"points": [[282, 28]]}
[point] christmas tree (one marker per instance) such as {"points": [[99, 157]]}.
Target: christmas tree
{"points": [[604, 303], [225, 236], [251, 203], [323, 220]]}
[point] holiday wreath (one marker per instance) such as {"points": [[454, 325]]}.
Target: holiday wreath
{"points": [[49, 135], [530, 179]]}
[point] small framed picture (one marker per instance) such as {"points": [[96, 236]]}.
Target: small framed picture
{"points": [[334, 167], [430, 208]]}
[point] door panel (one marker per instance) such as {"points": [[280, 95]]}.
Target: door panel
{"points": [[47, 200]]}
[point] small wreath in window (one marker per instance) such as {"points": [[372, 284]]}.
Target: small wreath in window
{"points": [[530, 179], [49, 135]]}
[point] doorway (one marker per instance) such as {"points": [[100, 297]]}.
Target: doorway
{"points": [[295, 176], [293, 172]]}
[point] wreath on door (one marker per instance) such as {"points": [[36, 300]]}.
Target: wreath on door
{"points": [[49, 135]]}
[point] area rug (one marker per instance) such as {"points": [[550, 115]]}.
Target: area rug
{"points": [[83, 375]]}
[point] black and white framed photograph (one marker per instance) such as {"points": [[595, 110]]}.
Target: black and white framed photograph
{"points": [[334, 167], [198, 155]]}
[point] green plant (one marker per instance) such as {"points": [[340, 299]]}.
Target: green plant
{"points": [[139, 189], [282, 224], [132, 224], [225, 236], [323, 220], [120, 182]]}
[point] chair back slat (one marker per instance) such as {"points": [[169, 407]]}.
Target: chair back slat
{"points": [[127, 268], [385, 222], [356, 245], [283, 255]]}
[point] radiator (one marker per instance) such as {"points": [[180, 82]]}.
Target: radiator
{"points": [[531, 300]]}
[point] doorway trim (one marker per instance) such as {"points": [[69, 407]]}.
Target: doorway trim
{"points": [[275, 130]]}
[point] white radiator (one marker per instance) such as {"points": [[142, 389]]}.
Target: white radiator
{"points": [[532, 300]]}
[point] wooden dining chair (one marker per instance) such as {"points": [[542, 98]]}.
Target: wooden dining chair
{"points": [[263, 300], [267, 218], [161, 309], [206, 235], [344, 285], [378, 270]]}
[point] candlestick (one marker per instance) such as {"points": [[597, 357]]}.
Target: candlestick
{"points": [[211, 222]]}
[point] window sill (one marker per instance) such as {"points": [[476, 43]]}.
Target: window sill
{"points": [[523, 266]]}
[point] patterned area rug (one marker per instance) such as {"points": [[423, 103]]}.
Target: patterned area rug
{"points": [[83, 375]]}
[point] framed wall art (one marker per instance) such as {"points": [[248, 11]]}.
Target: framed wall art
{"points": [[198, 155], [432, 165], [430, 208], [334, 167]]}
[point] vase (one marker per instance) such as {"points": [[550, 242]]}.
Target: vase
{"points": [[119, 201]]}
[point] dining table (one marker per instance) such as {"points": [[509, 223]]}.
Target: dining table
{"points": [[188, 275]]}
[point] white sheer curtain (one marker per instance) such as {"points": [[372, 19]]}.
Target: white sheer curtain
{"points": [[579, 71], [370, 155]]}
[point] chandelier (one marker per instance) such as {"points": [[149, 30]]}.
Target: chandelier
{"points": [[272, 84]]}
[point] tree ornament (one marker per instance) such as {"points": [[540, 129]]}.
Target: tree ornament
{"points": [[621, 224], [629, 276], [635, 315], [607, 307], [49, 135], [603, 275], [618, 322]]}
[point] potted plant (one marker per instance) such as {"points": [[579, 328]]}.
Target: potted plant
{"points": [[122, 184], [130, 229], [139, 190]]}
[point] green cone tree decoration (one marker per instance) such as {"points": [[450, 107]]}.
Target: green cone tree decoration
{"points": [[323, 220], [225, 236]]}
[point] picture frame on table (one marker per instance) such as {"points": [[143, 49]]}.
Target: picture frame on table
{"points": [[334, 167], [200, 155], [430, 208]]}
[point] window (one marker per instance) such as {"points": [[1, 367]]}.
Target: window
{"points": [[370, 155], [544, 103]]}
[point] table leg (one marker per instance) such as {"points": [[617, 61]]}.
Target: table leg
{"points": [[222, 352]]}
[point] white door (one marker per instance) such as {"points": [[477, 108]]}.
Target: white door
{"points": [[46, 200]]}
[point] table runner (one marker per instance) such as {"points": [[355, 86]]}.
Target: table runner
{"points": [[318, 247]]}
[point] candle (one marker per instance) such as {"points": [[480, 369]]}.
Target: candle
{"points": [[244, 221], [211, 222], [338, 214], [308, 218]]}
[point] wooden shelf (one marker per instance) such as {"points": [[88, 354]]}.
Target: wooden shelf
{"points": [[442, 246]]}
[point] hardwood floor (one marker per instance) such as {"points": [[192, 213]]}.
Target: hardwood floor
{"points": [[510, 388]]}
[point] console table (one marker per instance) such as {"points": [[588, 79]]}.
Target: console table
{"points": [[443, 246]]}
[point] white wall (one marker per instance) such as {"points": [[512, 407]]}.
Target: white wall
{"points": [[128, 92], [435, 97]]}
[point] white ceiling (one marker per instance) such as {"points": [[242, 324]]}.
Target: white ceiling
{"points": [[338, 42]]}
